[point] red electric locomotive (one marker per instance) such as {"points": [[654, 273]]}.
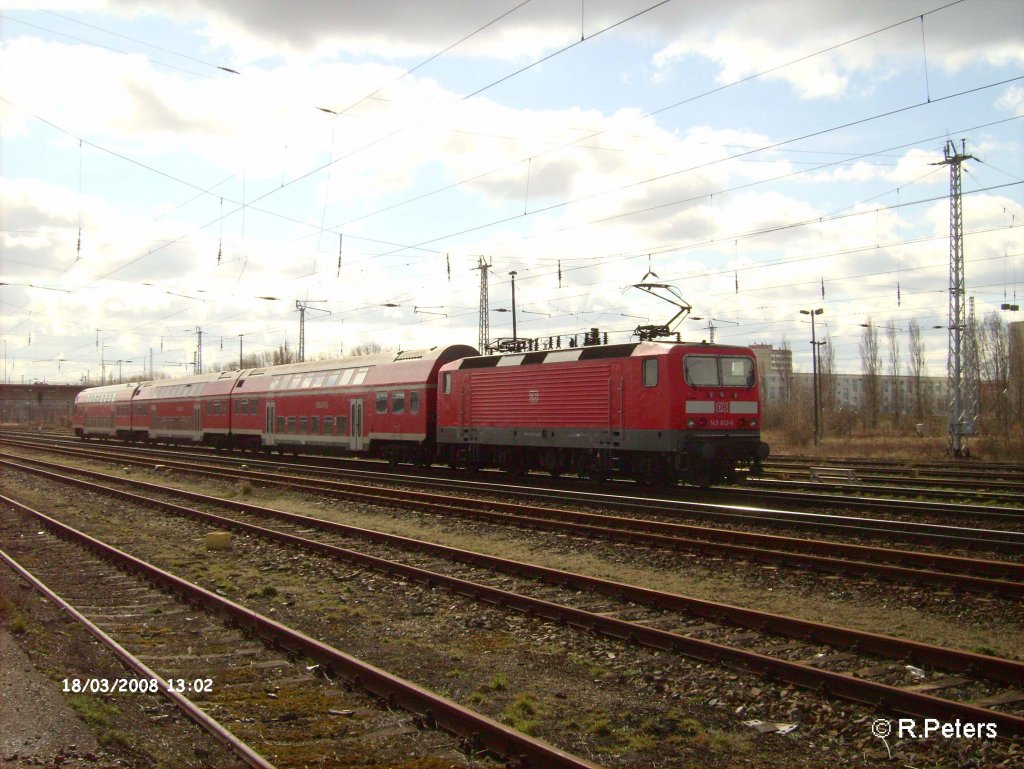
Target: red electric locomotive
{"points": [[660, 412]]}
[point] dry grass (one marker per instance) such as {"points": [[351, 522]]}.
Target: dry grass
{"points": [[996, 448]]}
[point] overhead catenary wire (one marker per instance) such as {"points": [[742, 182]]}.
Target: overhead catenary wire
{"points": [[735, 273]]}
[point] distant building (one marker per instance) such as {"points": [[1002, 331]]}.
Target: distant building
{"points": [[775, 367], [849, 392], [778, 382], [37, 405]]}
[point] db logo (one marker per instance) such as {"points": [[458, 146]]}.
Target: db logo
{"points": [[534, 396], [721, 407]]}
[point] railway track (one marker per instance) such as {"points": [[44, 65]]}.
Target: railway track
{"points": [[861, 667], [972, 502], [857, 528], [1000, 578], [265, 690], [970, 468]]}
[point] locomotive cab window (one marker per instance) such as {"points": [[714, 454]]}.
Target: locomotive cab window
{"points": [[737, 372], [650, 372], [414, 402], [718, 371], [447, 385]]}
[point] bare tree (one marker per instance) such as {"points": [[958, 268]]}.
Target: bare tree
{"points": [[284, 354], [994, 362], [871, 366], [894, 368], [916, 366], [370, 348], [827, 378]]}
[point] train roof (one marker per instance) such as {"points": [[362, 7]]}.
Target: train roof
{"points": [[105, 392], [592, 352], [431, 354]]}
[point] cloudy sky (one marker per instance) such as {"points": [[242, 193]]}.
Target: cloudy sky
{"points": [[169, 165]]}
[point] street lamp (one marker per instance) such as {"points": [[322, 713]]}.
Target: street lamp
{"points": [[814, 366]]}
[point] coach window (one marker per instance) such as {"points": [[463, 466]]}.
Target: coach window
{"points": [[382, 403], [398, 402], [303, 425], [360, 375], [332, 378], [650, 372], [245, 407], [346, 376], [291, 425], [342, 425], [254, 407], [318, 380], [280, 424], [328, 425], [447, 386], [414, 402], [314, 425]]}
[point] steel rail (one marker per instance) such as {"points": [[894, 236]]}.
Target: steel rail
{"points": [[847, 687], [432, 710], [654, 497], [985, 539], [833, 557], [754, 492], [143, 671]]}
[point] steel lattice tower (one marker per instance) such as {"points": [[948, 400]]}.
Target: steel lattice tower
{"points": [[302, 330], [198, 367], [485, 310], [302, 306], [962, 418]]}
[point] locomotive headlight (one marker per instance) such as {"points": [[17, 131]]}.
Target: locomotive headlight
{"points": [[690, 422], [753, 423]]}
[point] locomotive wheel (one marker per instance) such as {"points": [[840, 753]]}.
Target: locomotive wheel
{"points": [[551, 462], [651, 471]]}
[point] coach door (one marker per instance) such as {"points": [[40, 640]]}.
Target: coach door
{"points": [[356, 424], [268, 432]]}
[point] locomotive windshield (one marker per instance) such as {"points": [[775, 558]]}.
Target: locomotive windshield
{"points": [[718, 371]]}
